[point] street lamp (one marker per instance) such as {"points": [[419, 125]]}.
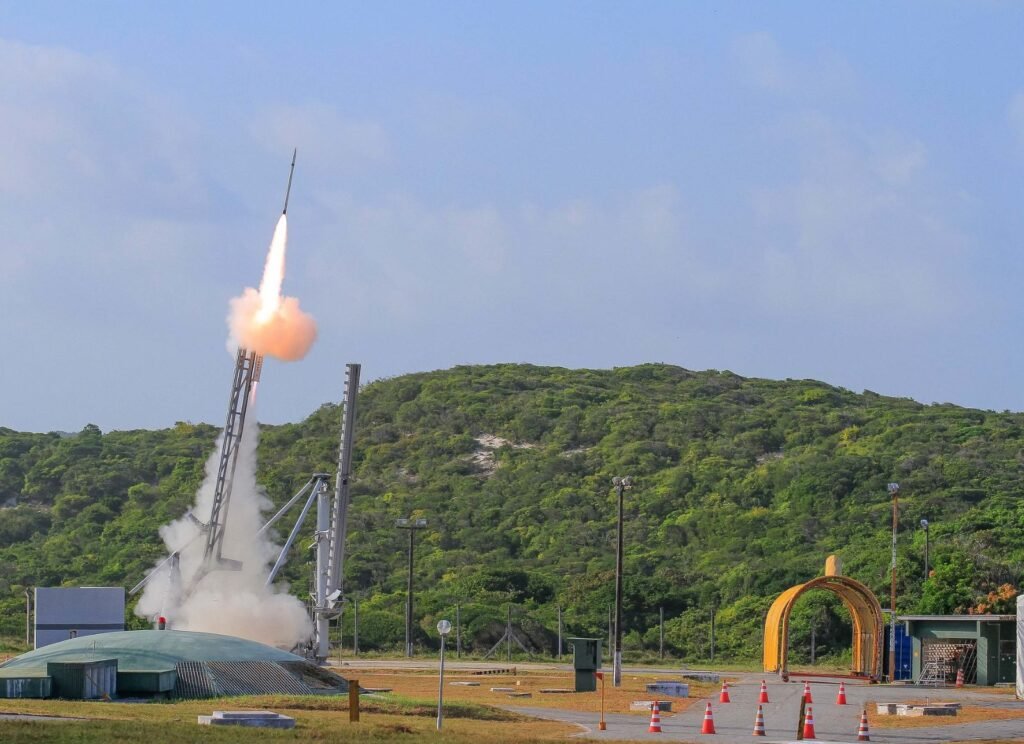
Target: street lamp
{"points": [[924, 526], [412, 525], [621, 484], [894, 491], [444, 628]]}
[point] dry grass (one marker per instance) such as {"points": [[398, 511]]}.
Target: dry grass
{"points": [[317, 719], [966, 714], [423, 685]]}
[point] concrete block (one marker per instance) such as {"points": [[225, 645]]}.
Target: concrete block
{"points": [[670, 688], [701, 676], [664, 706], [252, 718]]}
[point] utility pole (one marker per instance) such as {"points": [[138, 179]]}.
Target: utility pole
{"points": [[661, 632], [28, 617], [458, 632], [894, 491], [412, 525], [712, 633], [559, 632], [621, 484], [610, 631], [924, 525], [355, 626]]}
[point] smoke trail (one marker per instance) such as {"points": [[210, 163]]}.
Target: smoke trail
{"points": [[265, 321], [234, 603]]}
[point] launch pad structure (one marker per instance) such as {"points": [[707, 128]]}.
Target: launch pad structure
{"points": [[332, 514], [331, 527]]}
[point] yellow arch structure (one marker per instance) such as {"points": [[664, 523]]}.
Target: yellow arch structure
{"points": [[859, 600]]}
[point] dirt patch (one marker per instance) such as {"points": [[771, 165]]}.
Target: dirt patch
{"points": [[967, 714], [424, 686]]}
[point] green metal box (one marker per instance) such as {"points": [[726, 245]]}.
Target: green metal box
{"points": [[586, 660]]}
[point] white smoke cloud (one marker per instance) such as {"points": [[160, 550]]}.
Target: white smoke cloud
{"points": [[237, 603]]}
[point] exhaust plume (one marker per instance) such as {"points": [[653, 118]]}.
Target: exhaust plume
{"points": [[264, 320], [234, 603]]}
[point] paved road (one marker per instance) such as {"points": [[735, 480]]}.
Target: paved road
{"points": [[734, 721]]}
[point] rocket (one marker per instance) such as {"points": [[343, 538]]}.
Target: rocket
{"points": [[288, 191]]}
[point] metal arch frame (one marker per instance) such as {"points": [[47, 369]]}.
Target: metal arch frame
{"points": [[865, 612]]}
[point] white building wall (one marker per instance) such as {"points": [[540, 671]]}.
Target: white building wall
{"points": [[1020, 647], [63, 613]]}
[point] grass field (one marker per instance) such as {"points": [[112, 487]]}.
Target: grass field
{"points": [[423, 685], [320, 719], [407, 714]]}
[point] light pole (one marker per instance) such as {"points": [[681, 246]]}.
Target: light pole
{"points": [[412, 525], [894, 491], [621, 484], [444, 628], [28, 617], [924, 526]]}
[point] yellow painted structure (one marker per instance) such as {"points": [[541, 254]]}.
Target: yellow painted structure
{"points": [[859, 600]]}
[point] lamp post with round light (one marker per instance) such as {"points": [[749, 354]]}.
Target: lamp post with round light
{"points": [[444, 628], [621, 484]]}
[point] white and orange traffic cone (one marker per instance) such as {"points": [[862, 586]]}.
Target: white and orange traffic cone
{"points": [[959, 677], [759, 722], [764, 693], [862, 730], [655, 727], [709, 721], [841, 697], [807, 692], [809, 725], [723, 696]]}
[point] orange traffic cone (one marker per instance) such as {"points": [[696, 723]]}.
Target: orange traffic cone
{"points": [[759, 722], [959, 677], [809, 725], [807, 692], [862, 730], [841, 697], [723, 696], [709, 721], [655, 727], [764, 693]]}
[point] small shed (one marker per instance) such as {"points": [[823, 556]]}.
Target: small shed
{"points": [[983, 647], [72, 612]]}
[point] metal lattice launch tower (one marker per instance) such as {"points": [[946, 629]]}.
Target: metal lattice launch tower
{"points": [[248, 365]]}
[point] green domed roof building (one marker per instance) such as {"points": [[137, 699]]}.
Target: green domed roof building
{"points": [[165, 663]]}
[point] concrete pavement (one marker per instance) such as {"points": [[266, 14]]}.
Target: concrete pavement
{"points": [[734, 721]]}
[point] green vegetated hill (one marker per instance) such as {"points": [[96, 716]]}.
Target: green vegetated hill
{"points": [[742, 488]]}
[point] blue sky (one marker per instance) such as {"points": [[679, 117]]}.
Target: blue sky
{"points": [[804, 190]]}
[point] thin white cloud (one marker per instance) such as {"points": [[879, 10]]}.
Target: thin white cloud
{"points": [[341, 143], [762, 62], [1015, 116], [860, 232]]}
